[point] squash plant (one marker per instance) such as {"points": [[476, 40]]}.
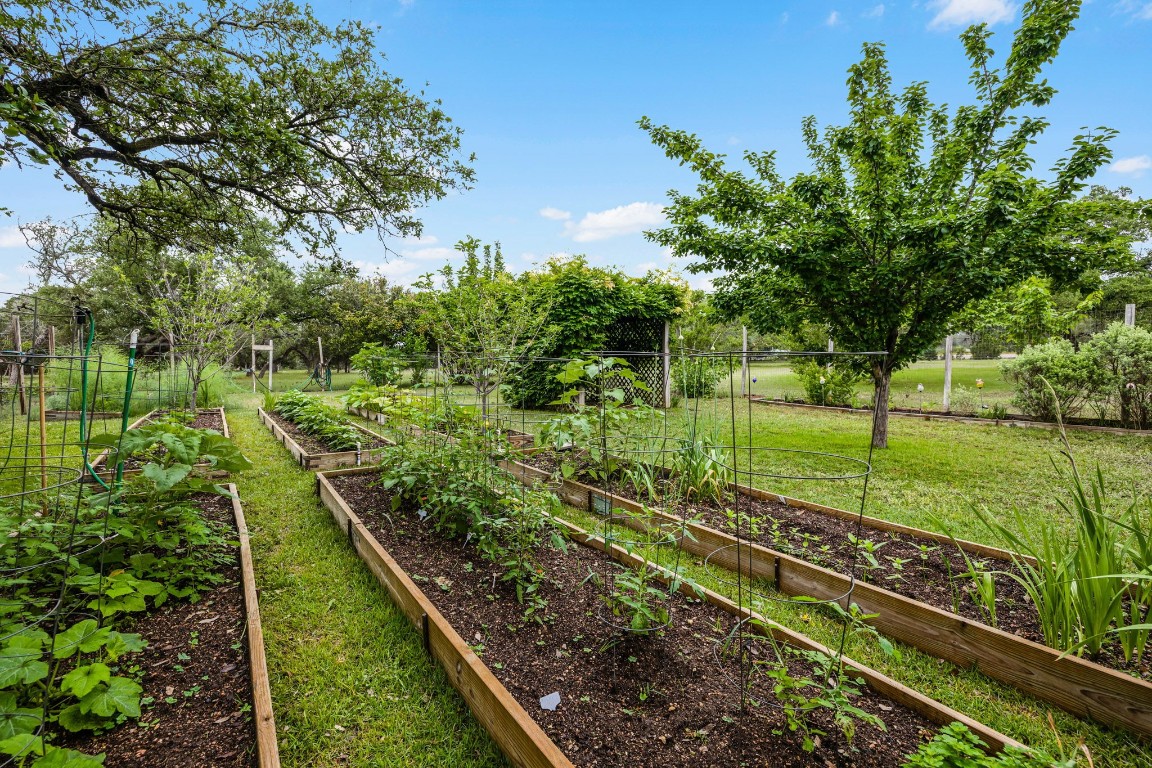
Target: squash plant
{"points": [[119, 551]]}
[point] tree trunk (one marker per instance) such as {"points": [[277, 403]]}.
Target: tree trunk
{"points": [[882, 381]]}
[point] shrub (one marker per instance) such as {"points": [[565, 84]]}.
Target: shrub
{"points": [[696, 376], [987, 345], [1069, 373], [1121, 369], [379, 364], [827, 385], [964, 400]]}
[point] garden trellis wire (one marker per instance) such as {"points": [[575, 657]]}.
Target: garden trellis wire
{"points": [[648, 453]]}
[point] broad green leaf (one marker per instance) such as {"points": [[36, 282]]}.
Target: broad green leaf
{"points": [[119, 695], [85, 636], [73, 719], [22, 744], [165, 479], [83, 679], [21, 665], [68, 758]]}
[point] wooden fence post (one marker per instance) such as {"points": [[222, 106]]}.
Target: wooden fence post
{"points": [[947, 404], [667, 369], [744, 390]]}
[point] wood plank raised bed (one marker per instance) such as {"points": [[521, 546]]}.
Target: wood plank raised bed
{"points": [[102, 458], [331, 460], [214, 654], [937, 416], [522, 740], [267, 751], [515, 437], [1076, 685]]}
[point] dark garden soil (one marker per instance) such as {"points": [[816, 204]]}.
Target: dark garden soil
{"points": [[311, 444], [625, 700], [197, 686], [921, 569]]}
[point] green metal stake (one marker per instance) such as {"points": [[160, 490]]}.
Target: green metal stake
{"points": [[84, 396], [129, 380]]}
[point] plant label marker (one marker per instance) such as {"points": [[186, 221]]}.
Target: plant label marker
{"points": [[551, 701], [600, 505]]}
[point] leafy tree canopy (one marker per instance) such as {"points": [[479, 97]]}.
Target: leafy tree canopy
{"points": [[184, 123], [911, 211]]}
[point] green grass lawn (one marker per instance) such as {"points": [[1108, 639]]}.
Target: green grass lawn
{"points": [[776, 380], [351, 683]]}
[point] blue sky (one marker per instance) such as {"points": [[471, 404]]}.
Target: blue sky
{"points": [[548, 94]]}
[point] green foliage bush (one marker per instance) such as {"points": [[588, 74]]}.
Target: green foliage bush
{"points": [[1068, 372], [587, 309], [697, 376], [1121, 371], [380, 365], [826, 385], [163, 548], [453, 485]]}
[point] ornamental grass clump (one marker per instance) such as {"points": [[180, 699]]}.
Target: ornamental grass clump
{"points": [[1094, 583]]}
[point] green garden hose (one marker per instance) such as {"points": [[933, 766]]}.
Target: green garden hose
{"points": [[128, 382], [87, 313]]}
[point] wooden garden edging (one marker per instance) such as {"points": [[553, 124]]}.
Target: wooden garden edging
{"points": [[267, 751], [315, 461], [1076, 685], [51, 415], [517, 734], [513, 729], [523, 440], [932, 416]]}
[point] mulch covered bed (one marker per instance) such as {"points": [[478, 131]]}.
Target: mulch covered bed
{"points": [[197, 685], [929, 572], [311, 444], [645, 700]]}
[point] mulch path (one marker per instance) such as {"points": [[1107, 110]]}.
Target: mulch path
{"points": [[921, 569], [196, 678], [625, 700]]}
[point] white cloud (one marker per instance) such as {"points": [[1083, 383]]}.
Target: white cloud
{"points": [[555, 214], [1134, 166], [614, 222], [960, 13], [876, 12], [1137, 8], [10, 237], [784, 17], [733, 141], [833, 19], [422, 240]]}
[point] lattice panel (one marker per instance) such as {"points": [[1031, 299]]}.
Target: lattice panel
{"points": [[641, 336]]}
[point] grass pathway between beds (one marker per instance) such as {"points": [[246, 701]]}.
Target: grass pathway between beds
{"points": [[351, 684]]}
